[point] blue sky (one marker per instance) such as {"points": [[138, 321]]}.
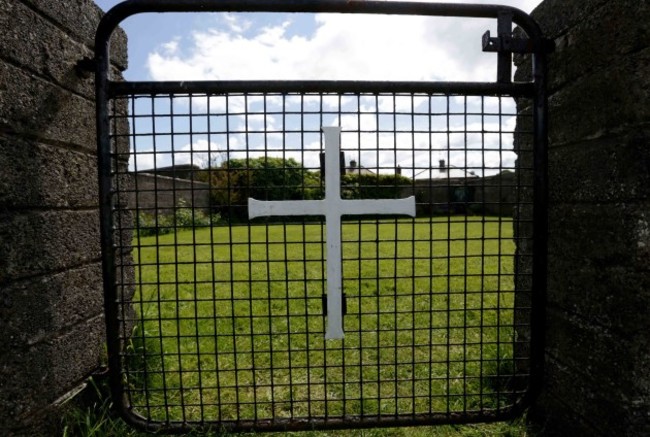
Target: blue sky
{"points": [[307, 46]]}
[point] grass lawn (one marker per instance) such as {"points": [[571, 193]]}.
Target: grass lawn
{"points": [[230, 323]]}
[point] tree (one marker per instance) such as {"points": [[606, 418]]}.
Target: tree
{"points": [[264, 178]]}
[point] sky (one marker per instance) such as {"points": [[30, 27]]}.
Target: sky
{"points": [[304, 46]]}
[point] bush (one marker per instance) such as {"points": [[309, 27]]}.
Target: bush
{"points": [[154, 224], [184, 217], [264, 178]]}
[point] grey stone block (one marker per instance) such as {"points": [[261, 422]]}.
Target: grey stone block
{"points": [[589, 36], [598, 373], [602, 295], [33, 309], [41, 242], [38, 46], [602, 103], [610, 169], [575, 408], [39, 175], [35, 108], [557, 16], [586, 46], [602, 235], [35, 376], [80, 19]]}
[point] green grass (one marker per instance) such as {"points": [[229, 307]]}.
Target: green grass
{"points": [[230, 322]]}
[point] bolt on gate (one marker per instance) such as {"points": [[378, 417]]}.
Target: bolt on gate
{"points": [[324, 254]]}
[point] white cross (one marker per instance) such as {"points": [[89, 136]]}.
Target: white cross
{"points": [[332, 207]]}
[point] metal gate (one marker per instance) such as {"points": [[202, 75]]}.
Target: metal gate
{"points": [[329, 254]]}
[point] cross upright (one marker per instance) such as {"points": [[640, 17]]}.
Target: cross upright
{"points": [[332, 207]]}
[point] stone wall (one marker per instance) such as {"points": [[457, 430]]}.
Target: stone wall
{"points": [[492, 195], [51, 303], [597, 356], [161, 194]]}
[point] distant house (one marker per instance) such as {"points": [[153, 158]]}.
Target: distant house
{"points": [[354, 168]]}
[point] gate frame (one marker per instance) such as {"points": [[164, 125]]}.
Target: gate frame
{"points": [[536, 90]]}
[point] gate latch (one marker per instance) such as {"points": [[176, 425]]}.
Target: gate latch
{"points": [[505, 45]]}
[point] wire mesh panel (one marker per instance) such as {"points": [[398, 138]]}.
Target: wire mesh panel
{"points": [[219, 319]]}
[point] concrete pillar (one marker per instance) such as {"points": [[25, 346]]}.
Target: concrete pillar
{"points": [[597, 356], [51, 302]]}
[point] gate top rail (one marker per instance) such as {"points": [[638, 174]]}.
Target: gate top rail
{"points": [[536, 44]]}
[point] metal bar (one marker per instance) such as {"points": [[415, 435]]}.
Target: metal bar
{"points": [[314, 86], [106, 222], [540, 223], [504, 62], [131, 7], [334, 423]]}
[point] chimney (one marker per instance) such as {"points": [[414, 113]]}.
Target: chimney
{"points": [[353, 164], [443, 166]]}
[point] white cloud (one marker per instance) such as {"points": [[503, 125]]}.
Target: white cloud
{"points": [[201, 152], [339, 46]]}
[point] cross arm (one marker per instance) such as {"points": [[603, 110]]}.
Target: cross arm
{"points": [[263, 208]]}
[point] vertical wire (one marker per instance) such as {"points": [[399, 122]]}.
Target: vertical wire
{"points": [[116, 243], [483, 257], [158, 269], [213, 265], [413, 261], [176, 261], [465, 255], [449, 292], [395, 317], [249, 182], [323, 281], [138, 261], [304, 254], [197, 301], [518, 231], [431, 285], [380, 334], [286, 258], [233, 299], [500, 260], [360, 293], [268, 269], [343, 297]]}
